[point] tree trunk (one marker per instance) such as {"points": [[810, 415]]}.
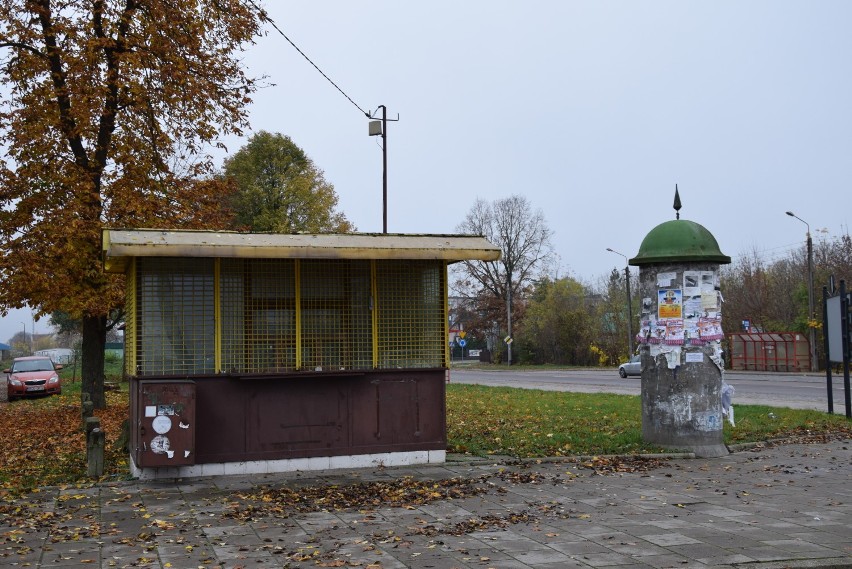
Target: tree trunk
{"points": [[94, 343]]}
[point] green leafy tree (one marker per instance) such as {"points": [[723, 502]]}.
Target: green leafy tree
{"points": [[280, 190], [559, 323], [612, 314], [108, 109]]}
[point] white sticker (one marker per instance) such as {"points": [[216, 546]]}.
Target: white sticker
{"points": [[186, 454], [161, 424], [160, 444], [694, 357], [150, 410]]}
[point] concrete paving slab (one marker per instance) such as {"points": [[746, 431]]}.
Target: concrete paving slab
{"points": [[772, 507]]}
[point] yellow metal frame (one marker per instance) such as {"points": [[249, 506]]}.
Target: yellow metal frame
{"points": [[374, 305], [404, 335], [298, 300], [446, 318], [217, 315], [130, 332]]}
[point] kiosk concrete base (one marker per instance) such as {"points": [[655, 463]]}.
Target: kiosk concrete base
{"points": [[291, 465]]}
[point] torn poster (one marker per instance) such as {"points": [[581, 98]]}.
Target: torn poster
{"points": [[710, 328], [674, 331], [658, 332], [644, 335], [665, 279]]}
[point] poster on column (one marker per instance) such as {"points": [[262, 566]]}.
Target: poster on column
{"points": [[669, 303]]}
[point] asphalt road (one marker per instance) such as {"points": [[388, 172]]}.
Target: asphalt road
{"points": [[796, 391]]}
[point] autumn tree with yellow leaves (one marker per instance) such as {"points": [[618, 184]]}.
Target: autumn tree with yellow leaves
{"points": [[108, 109]]}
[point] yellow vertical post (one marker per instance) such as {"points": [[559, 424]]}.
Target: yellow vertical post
{"points": [[130, 332], [217, 315], [446, 318], [298, 286], [374, 312]]}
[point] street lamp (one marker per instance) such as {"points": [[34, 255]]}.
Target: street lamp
{"points": [[811, 330], [629, 303]]}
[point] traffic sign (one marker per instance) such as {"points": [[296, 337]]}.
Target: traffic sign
{"points": [[508, 339], [462, 334], [462, 342]]}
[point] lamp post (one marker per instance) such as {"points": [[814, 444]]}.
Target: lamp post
{"points": [[811, 331], [629, 304]]}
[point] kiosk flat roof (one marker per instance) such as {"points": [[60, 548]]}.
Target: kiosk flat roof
{"points": [[120, 245]]}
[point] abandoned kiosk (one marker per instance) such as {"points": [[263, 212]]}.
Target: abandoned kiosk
{"points": [[251, 353]]}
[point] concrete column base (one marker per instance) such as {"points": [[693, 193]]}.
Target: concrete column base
{"points": [[701, 451]]}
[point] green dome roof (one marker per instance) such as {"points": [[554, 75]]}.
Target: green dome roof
{"points": [[679, 240]]}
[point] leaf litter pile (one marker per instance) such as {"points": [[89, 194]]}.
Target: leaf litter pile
{"points": [[43, 442], [365, 498], [408, 492]]}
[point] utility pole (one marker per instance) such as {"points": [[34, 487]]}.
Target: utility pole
{"points": [[380, 128]]}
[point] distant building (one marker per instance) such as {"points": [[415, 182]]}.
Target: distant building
{"points": [[5, 352], [62, 356]]}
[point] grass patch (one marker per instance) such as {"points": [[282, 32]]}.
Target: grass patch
{"points": [[532, 423], [42, 441]]}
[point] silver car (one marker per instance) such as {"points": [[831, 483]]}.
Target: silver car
{"points": [[633, 366]]}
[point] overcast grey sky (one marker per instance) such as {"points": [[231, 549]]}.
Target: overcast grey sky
{"points": [[593, 110]]}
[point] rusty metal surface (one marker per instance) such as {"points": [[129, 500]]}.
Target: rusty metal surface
{"points": [[163, 423], [121, 245], [269, 418]]}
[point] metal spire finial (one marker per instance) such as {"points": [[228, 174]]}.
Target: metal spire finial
{"points": [[677, 203]]}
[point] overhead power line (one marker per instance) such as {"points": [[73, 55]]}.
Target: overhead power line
{"points": [[308, 59]]}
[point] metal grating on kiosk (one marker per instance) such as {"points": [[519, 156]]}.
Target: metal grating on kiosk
{"points": [[130, 335], [198, 316], [411, 316], [175, 316], [336, 321], [258, 306]]}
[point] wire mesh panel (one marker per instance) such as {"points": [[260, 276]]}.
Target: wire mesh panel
{"points": [[175, 316], [282, 315], [130, 312], [335, 315], [411, 318], [258, 304]]}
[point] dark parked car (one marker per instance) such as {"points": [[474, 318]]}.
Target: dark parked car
{"points": [[633, 366], [32, 375]]}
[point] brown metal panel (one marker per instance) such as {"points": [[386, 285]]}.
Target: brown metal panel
{"points": [[400, 410], [221, 417], [164, 423], [303, 416], [288, 416]]}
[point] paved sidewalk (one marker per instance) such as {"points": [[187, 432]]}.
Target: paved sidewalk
{"points": [[782, 506]]}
